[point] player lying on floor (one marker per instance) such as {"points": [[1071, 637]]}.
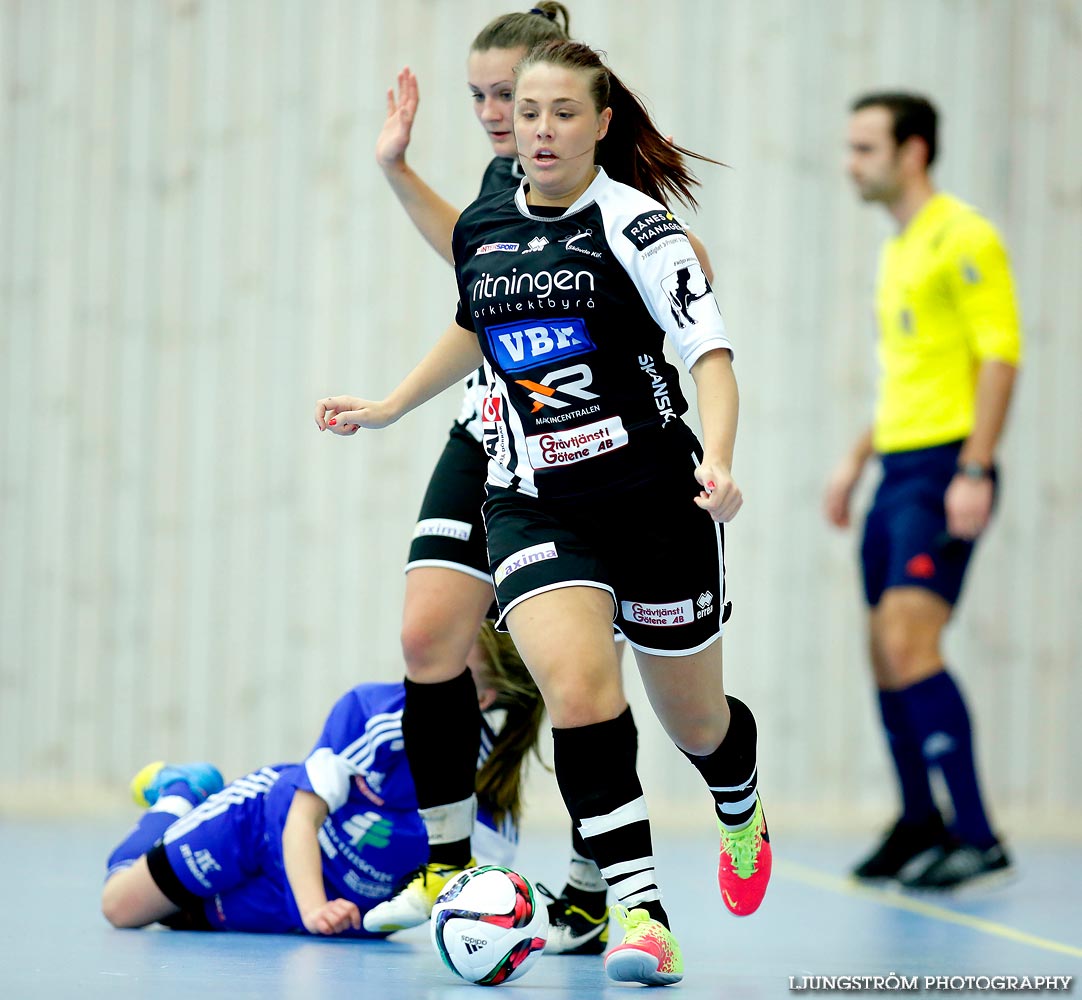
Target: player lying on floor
{"points": [[312, 846]]}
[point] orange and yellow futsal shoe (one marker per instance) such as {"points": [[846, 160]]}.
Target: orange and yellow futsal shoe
{"points": [[744, 865], [648, 954]]}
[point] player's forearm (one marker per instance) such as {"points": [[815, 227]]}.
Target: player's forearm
{"points": [[453, 357], [995, 385], [434, 218], [862, 449], [719, 405], [301, 851]]}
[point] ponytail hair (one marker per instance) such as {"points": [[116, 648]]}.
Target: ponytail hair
{"points": [[633, 151], [546, 21], [500, 779]]}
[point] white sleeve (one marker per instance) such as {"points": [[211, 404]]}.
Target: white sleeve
{"points": [[329, 774], [656, 253]]}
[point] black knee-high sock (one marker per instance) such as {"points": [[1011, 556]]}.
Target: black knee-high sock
{"points": [[730, 771], [595, 768], [441, 730], [918, 805], [940, 720]]}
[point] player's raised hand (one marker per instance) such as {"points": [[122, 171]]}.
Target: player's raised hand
{"points": [[394, 138], [333, 917], [720, 496]]}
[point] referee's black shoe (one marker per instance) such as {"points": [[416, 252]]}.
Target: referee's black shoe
{"points": [[964, 866], [907, 849]]}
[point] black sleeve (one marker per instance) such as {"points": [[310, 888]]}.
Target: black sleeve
{"points": [[497, 176], [458, 241]]}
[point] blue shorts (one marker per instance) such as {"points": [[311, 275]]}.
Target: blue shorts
{"points": [[221, 861], [906, 543]]}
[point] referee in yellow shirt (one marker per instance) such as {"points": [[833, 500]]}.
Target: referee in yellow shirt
{"points": [[949, 348]]}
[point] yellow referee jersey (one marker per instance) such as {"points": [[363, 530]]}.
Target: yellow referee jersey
{"points": [[945, 303]]}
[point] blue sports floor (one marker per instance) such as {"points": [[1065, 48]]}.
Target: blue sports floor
{"points": [[813, 922]]}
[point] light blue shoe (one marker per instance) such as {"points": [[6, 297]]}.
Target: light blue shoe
{"points": [[203, 779]]}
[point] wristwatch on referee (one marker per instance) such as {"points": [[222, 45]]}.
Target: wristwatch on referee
{"points": [[974, 470]]}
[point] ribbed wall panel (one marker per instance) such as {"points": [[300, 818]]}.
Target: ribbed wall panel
{"points": [[196, 243]]}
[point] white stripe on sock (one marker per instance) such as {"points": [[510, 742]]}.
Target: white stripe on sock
{"points": [[624, 867], [625, 815]]}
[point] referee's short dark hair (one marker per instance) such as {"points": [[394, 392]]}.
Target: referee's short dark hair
{"points": [[913, 115]]}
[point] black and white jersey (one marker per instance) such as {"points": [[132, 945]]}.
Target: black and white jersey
{"points": [[501, 175], [571, 313]]}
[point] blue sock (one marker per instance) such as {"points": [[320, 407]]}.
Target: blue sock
{"points": [[939, 719], [909, 765], [176, 800]]}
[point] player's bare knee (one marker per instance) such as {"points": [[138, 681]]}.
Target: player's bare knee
{"points": [[116, 906]]}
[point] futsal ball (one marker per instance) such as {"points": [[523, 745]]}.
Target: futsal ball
{"points": [[488, 925]]}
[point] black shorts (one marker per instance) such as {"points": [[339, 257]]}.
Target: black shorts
{"points": [[658, 555], [450, 531]]}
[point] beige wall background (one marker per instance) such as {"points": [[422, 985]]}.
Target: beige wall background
{"points": [[196, 243]]}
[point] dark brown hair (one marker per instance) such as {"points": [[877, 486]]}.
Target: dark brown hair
{"points": [[525, 29], [633, 151], [499, 782], [911, 114]]}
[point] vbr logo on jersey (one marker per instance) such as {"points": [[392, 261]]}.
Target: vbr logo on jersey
{"points": [[497, 248], [536, 244], [524, 557], [574, 379], [525, 345], [660, 615], [683, 289]]}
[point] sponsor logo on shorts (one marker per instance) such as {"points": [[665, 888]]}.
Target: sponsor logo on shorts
{"points": [[556, 448], [660, 615], [200, 863], [921, 566], [705, 604], [522, 558], [443, 527], [526, 345], [497, 248]]}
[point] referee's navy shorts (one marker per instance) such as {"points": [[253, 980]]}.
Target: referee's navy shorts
{"points": [[906, 543], [658, 555]]}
